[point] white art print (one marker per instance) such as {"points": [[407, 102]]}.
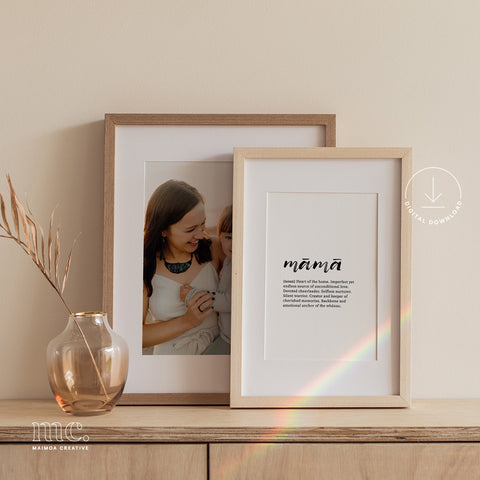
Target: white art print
{"points": [[321, 275]]}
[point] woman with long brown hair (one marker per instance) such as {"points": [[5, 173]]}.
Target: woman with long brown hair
{"points": [[177, 251]]}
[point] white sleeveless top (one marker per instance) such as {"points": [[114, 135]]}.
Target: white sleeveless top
{"points": [[165, 304]]}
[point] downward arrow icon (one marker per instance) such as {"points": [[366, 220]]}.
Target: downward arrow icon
{"points": [[433, 198]]}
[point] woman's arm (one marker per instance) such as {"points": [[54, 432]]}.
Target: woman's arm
{"points": [[146, 301], [199, 308]]}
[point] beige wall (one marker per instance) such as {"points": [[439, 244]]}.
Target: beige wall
{"points": [[396, 73]]}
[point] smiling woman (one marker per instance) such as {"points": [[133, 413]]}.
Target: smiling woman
{"points": [[178, 251]]}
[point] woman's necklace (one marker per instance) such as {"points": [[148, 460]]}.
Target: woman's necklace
{"points": [[178, 267]]}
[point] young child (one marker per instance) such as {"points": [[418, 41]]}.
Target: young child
{"points": [[221, 304]]}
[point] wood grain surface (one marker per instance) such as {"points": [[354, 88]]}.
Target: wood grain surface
{"points": [[426, 421], [353, 461], [119, 462]]}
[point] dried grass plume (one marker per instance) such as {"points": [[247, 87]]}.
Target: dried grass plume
{"points": [[29, 235]]}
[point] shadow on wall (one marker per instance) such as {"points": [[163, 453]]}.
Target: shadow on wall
{"points": [[62, 170]]}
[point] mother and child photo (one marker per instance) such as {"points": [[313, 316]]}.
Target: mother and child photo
{"points": [[186, 275]]}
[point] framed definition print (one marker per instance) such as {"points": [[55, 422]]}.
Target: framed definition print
{"points": [[167, 243], [321, 287]]}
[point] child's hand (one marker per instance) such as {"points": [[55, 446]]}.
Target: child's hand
{"points": [[184, 289]]}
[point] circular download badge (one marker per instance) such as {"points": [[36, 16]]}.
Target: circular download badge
{"points": [[433, 196]]}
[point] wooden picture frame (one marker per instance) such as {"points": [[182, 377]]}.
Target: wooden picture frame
{"points": [[131, 141], [321, 305]]}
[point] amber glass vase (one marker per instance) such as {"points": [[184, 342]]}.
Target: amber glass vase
{"points": [[87, 365]]}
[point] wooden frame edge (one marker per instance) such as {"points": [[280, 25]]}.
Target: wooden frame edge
{"points": [[129, 399], [275, 119], [293, 402], [406, 285], [237, 280], [108, 217]]}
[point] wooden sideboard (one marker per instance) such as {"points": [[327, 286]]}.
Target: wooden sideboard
{"points": [[434, 439]]}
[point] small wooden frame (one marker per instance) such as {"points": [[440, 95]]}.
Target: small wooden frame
{"points": [[321, 304], [131, 140]]}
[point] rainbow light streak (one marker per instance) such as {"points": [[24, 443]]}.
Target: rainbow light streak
{"points": [[287, 417]]}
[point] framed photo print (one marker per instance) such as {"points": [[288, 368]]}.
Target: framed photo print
{"points": [[167, 243], [321, 303]]}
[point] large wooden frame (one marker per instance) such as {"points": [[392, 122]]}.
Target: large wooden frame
{"points": [[261, 378], [321, 130]]}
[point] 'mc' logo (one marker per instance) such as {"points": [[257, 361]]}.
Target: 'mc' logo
{"points": [[42, 432]]}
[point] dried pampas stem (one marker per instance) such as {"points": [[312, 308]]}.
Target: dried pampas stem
{"points": [[25, 233], [28, 242]]}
